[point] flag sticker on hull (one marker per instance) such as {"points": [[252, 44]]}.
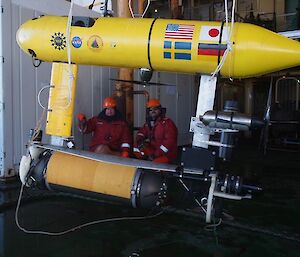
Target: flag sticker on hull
{"points": [[213, 41], [211, 49], [182, 56], [183, 45], [213, 34], [177, 50], [179, 31]]}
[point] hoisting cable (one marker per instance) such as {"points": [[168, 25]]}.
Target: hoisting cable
{"points": [[146, 9], [131, 11], [68, 34], [229, 44]]}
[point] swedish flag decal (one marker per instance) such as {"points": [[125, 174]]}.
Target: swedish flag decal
{"points": [[177, 50]]}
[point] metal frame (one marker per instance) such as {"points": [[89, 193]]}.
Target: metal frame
{"points": [[297, 89], [206, 97]]}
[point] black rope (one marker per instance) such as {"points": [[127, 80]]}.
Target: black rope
{"points": [[36, 62], [92, 5]]}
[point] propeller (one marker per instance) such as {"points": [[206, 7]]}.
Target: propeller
{"points": [[56, 7], [144, 83], [264, 136]]}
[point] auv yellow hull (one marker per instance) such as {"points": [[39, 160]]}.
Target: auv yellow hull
{"points": [[161, 44]]}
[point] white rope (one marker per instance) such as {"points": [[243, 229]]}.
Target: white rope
{"points": [[38, 125], [146, 9], [68, 35], [229, 44], [232, 12], [68, 32], [76, 227], [39, 96], [232, 21], [212, 227], [131, 11], [226, 13]]}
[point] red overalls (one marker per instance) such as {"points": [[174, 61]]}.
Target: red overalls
{"points": [[114, 134], [162, 140]]}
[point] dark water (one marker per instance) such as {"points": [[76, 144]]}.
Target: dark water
{"points": [[265, 226]]}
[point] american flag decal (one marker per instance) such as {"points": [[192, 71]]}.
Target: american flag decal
{"points": [[179, 31]]}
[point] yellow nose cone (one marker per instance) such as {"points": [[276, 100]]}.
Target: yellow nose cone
{"points": [[43, 36], [24, 36], [257, 51]]}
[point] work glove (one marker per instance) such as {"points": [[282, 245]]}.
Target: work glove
{"points": [[81, 121], [148, 150], [138, 154], [125, 154]]}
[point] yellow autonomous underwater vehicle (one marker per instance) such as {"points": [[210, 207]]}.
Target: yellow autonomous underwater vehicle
{"points": [[159, 45]]}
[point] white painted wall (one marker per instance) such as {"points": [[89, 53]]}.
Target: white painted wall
{"points": [[21, 83], [6, 134]]}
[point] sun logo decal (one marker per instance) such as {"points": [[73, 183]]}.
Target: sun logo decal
{"points": [[58, 40]]}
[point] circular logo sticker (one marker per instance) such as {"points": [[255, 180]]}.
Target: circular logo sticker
{"points": [[95, 43], [58, 40], [76, 42]]}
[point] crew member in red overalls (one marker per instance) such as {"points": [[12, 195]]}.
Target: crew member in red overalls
{"points": [[157, 139], [111, 134]]}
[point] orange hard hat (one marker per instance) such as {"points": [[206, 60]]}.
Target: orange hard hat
{"points": [[153, 103], [109, 102]]}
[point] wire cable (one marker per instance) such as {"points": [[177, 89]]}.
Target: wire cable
{"points": [[212, 227], [40, 232], [130, 9], [39, 95], [191, 194], [68, 35], [228, 35], [38, 127], [146, 9], [143, 14]]}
